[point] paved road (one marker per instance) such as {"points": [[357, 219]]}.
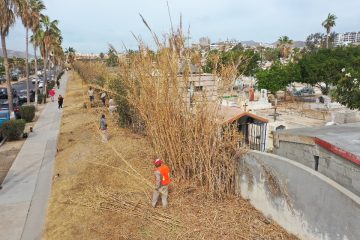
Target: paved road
{"points": [[24, 197], [22, 85]]}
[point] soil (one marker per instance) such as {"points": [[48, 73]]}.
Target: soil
{"points": [[103, 190], [8, 153]]}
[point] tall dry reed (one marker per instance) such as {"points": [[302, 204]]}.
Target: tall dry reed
{"points": [[184, 130], [183, 127]]}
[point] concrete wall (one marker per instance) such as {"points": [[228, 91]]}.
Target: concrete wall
{"points": [[304, 202], [341, 170]]}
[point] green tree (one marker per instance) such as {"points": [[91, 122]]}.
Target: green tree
{"points": [[328, 24], [315, 41], [322, 68], [112, 60], [347, 91], [50, 38], [246, 61], [277, 77]]}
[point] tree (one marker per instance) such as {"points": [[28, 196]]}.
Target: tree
{"points": [[245, 61], [70, 55], [278, 77], [322, 68], [347, 91], [101, 55], [7, 19], [36, 6], [25, 15], [112, 60], [315, 41], [270, 54], [329, 23], [50, 37], [285, 45]]}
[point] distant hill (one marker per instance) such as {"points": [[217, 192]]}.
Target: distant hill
{"points": [[12, 53], [250, 43]]}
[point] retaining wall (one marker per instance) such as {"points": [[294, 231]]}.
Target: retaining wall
{"points": [[300, 199], [343, 171]]}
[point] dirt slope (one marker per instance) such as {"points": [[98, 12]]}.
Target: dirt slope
{"points": [[96, 195]]}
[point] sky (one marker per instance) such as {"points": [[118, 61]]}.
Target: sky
{"points": [[89, 25]]}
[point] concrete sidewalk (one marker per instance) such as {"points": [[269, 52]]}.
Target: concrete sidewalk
{"points": [[24, 197]]}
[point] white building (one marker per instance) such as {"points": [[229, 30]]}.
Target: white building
{"points": [[347, 38]]}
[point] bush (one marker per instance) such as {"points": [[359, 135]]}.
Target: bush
{"points": [[13, 129], [27, 112], [40, 98]]}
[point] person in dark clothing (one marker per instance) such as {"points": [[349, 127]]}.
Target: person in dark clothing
{"points": [[60, 101], [58, 83]]}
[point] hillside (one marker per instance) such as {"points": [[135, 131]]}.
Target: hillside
{"points": [[14, 53], [101, 191]]}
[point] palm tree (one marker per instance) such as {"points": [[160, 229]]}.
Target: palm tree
{"points": [[70, 55], [36, 7], [285, 44], [36, 40], [7, 19], [50, 37], [328, 23], [25, 15]]}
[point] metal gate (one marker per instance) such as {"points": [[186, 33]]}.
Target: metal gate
{"points": [[254, 135]]}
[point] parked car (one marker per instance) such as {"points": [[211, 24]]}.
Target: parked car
{"points": [[4, 105], [304, 91], [35, 80], [4, 116], [2, 79], [4, 94], [23, 96], [41, 84]]}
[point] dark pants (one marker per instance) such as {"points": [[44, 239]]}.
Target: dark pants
{"points": [[103, 101], [60, 104]]}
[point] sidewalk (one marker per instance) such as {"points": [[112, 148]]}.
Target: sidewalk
{"points": [[24, 197]]}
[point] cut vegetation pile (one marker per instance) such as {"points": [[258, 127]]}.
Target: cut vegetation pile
{"points": [[97, 192]]}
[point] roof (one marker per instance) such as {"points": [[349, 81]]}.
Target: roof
{"points": [[231, 114], [343, 140]]}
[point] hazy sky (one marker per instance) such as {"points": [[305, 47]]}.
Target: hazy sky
{"points": [[89, 25]]}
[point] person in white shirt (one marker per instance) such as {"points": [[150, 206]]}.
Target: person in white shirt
{"points": [[112, 106], [103, 98], [91, 95]]}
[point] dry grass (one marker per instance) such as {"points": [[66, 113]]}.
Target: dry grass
{"points": [[96, 194]]}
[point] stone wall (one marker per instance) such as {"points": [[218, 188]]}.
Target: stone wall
{"points": [[301, 200], [304, 151]]}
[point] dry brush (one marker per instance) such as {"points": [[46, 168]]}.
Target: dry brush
{"points": [[155, 90]]}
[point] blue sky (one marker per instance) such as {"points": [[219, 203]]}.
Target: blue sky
{"points": [[89, 25]]}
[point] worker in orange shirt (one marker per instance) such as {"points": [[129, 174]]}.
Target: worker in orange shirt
{"points": [[162, 181]]}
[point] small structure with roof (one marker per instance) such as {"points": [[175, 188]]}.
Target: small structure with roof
{"points": [[251, 126]]}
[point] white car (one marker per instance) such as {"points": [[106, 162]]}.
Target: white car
{"points": [[41, 84], [35, 80]]}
